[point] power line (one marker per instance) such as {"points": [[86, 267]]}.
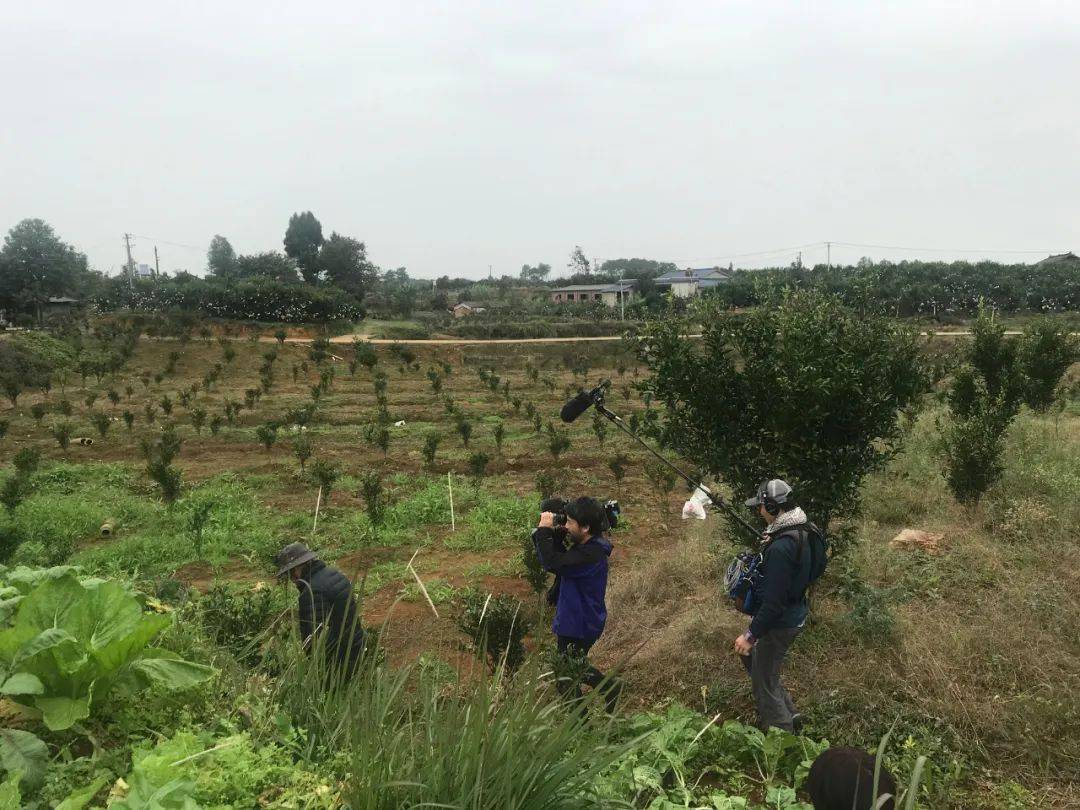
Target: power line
{"points": [[939, 250], [171, 244], [754, 253]]}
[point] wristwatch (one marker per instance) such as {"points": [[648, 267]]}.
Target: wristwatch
{"points": [[750, 637]]}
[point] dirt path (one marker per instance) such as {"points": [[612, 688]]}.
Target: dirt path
{"points": [[347, 339]]}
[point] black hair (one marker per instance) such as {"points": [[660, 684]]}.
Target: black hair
{"points": [[552, 505], [843, 778], [588, 512]]}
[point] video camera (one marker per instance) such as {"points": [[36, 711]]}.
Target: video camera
{"points": [[557, 506]]}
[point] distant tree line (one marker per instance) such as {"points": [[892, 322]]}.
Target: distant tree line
{"points": [[257, 298], [921, 288], [317, 278]]}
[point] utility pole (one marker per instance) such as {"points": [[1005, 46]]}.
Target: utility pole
{"points": [[828, 254], [130, 263], [157, 265], [490, 277]]}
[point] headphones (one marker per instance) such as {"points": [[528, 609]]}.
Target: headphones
{"points": [[771, 506]]}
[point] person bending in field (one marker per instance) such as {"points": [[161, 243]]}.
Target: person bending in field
{"points": [[792, 557], [327, 611], [581, 570]]}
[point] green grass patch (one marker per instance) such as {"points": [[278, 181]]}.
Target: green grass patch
{"points": [[495, 522], [152, 540]]}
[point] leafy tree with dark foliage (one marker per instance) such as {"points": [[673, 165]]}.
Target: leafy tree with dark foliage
{"points": [[802, 389], [35, 266], [221, 258], [303, 238], [20, 369], [344, 262], [535, 274], [997, 377], [578, 264], [269, 264], [1046, 352]]}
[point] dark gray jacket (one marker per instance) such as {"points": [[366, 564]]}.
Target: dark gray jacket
{"points": [[785, 577], [327, 606]]}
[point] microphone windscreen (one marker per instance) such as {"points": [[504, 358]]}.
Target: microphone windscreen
{"points": [[576, 407]]}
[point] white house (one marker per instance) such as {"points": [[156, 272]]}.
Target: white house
{"points": [[689, 282], [467, 308], [609, 294]]}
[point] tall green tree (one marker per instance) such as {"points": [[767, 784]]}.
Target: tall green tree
{"points": [[997, 377], [36, 265], [397, 293], [269, 264], [344, 262], [802, 389], [221, 258], [1046, 352], [578, 264], [303, 238], [535, 274]]}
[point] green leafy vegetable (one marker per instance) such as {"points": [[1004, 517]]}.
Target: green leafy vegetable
{"points": [[22, 753], [71, 642]]}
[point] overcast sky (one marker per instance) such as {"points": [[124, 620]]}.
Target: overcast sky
{"points": [[456, 135]]}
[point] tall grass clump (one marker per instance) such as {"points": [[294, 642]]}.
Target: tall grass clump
{"points": [[412, 742]]}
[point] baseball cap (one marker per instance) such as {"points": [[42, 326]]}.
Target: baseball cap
{"points": [[776, 490]]}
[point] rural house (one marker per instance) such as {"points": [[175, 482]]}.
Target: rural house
{"points": [[467, 308], [61, 305], [689, 282], [609, 294]]}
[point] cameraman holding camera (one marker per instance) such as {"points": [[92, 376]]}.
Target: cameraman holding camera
{"points": [[580, 566]]}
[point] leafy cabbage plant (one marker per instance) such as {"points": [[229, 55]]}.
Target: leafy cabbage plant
{"points": [[70, 643]]}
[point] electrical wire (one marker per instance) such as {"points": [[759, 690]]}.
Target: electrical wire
{"points": [[167, 242], [754, 253], [938, 250]]}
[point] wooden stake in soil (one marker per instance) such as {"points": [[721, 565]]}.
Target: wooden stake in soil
{"points": [[450, 487], [318, 503], [420, 582]]}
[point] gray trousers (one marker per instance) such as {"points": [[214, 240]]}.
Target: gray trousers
{"points": [[774, 706]]}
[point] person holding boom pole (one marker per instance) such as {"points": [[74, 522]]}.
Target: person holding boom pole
{"points": [[793, 556]]}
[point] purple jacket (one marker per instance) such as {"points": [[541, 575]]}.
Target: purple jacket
{"points": [[580, 611]]}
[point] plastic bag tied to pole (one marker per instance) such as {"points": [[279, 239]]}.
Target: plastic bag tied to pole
{"points": [[695, 507]]}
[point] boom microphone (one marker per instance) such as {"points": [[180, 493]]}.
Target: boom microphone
{"points": [[579, 404], [576, 407]]}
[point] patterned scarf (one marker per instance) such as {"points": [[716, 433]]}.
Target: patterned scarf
{"points": [[794, 517]]}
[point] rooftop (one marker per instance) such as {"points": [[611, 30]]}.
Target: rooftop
{"points": [[624, 285], [694, 274], [1060, 258]]}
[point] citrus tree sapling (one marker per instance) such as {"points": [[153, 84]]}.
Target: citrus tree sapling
{"points": [[802, 388]]}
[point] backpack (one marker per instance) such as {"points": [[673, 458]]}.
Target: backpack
{"points": [[742, 581]]}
